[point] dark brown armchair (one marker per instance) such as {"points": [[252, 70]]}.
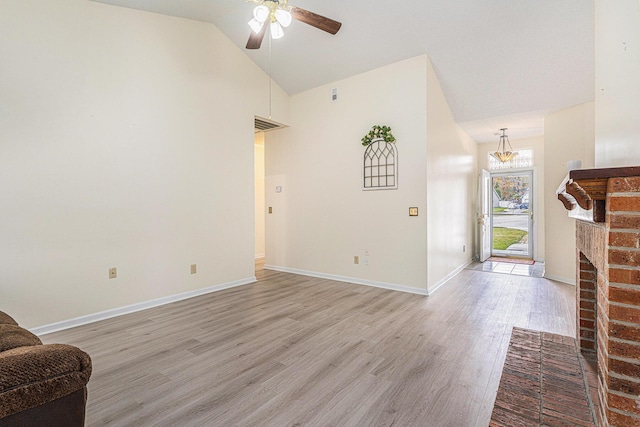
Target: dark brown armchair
{"points": [[40, 385]]}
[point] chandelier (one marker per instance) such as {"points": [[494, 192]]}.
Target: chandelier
{"points": [[502, 154], [276, 12]]}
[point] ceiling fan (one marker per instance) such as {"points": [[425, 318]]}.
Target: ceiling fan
{"points": [[279, 14]]}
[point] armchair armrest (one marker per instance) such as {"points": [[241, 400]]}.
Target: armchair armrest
{"points": [[34, 375]]}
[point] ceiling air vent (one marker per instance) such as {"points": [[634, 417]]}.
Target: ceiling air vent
{"points": [[264, 125]]}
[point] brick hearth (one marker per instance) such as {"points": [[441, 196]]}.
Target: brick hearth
{"points": [[542, 383]]}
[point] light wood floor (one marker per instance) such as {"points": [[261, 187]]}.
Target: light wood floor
{"points": [[293, 350]]}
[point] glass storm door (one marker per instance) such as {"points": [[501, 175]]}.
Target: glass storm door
{"points": [[512, 214]]}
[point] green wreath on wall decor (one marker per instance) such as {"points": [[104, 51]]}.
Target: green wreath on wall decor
{"points": [[378, 132]]}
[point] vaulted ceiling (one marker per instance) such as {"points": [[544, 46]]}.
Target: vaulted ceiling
{"points": [[501, 63]]}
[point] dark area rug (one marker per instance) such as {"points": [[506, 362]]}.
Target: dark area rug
{"points": [[542, 383]]}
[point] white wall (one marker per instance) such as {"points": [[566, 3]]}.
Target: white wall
{"points": [[259, 194], [127, 141], [617, 56], [537, 144], [569, 135], [322, 218], [451, 188]]}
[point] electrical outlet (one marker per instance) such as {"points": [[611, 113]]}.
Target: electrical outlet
{"points": [[113, 273], [464, 248], [356, 259], [270, 209], [193, 269]]}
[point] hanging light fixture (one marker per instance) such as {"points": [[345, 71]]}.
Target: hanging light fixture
{"points": [[276, 12], [276, 30], [502, 154], [260, 14]]}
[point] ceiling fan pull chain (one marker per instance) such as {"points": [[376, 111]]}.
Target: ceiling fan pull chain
{"points": [[270, 78]]}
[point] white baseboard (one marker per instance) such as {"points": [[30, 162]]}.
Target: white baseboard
{"points": [[448, 277], [560, 279], [107, 314], [357, 281]]}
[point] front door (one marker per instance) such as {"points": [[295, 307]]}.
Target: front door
{"points": [[484, 215], [511, 214]]}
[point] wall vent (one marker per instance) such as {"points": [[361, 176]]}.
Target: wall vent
{"points": [[265, 125]]}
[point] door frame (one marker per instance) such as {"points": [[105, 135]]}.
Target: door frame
{"points": [[533, 207]]}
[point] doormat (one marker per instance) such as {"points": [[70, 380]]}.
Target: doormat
{"points": [[542, 383], [511, 260]]}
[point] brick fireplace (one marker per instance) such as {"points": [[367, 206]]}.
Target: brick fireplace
{"points": [[608, 285]]}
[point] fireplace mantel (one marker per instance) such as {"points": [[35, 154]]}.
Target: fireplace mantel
{"points": [[584, 191]]}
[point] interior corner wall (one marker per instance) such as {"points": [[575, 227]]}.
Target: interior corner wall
{"points": [[127, 142], [569, 135], [451, 188], [259, 193], [617, 63], [321, 217], [537, 144]]}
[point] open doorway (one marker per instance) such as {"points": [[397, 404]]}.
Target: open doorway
{"points": [[270, 203], [512, 214]]}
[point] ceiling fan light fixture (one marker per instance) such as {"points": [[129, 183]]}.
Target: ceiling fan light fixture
{"points": [[277, 14], [261, 13], [283, 17], [276, 30], [256, 25], [503, 155]]}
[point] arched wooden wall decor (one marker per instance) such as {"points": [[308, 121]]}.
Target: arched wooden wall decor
{"points": [[380, 162]]}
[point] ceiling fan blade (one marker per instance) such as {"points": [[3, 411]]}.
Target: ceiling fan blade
{"points": [[255, 40], [315, 20]]}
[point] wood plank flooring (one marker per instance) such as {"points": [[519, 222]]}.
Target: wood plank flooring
{"points": [[292, 350]]}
